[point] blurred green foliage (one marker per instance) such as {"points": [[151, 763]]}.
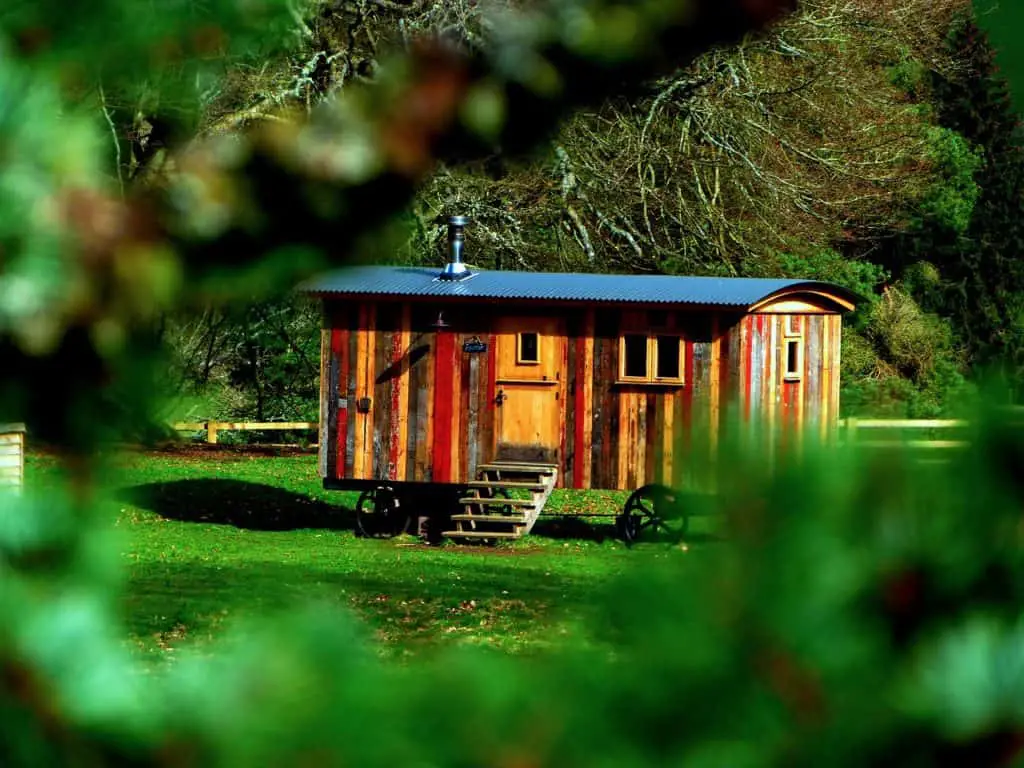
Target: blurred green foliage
{"points": [[861, 611]]}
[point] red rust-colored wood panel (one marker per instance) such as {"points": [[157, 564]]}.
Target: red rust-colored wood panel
{"points": [[340, 355], [603, 403], [443, 418]]}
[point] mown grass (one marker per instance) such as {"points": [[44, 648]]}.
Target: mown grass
{"points": [[212, 539]]}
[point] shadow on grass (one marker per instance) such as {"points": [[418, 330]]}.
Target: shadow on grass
{"points": [[252, 506], [575, 527], [598, 530]]}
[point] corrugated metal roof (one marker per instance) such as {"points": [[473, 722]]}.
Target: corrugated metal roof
{"points": [[561, 286]]}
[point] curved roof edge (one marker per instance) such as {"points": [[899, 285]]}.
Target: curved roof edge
{"points": [[738, 293], [843, 298]]}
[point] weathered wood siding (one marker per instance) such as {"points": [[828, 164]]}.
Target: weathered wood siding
{"points": [[769, 402], [432, 412]]}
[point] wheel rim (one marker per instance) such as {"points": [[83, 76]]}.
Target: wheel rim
{"points": [[379, 514], [653, 513]]}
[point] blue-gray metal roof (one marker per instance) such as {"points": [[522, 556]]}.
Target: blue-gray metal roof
{"points": [[560, 286]]}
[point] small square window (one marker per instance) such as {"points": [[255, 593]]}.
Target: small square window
{"points": [[668, 366], [792, 325], [651, 358], [528, 348], [794, 359], [635, 356]]}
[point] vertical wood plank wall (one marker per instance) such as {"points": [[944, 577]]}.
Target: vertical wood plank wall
{"points": [[432, 413], [771, 401]]}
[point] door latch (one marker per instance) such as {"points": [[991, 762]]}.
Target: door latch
{"points": [[500, 398]]}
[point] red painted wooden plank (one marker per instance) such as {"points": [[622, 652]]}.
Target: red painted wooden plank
{"points": [[339, 350], [464, 436], [444, 408]]}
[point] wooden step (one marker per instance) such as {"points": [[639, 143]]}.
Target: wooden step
{"points": [[510, 519], [498, 502], [524, 468], [481, 535], [510, 485]]}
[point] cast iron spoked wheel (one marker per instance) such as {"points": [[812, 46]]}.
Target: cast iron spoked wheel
{"points": [[379, 514], [652, 513]]}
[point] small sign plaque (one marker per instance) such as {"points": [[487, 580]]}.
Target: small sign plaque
{"points": [[474, 346]]}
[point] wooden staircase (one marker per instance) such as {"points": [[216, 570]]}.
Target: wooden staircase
{"points": [[504, 501]]}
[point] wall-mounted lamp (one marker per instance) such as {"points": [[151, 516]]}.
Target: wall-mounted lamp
{"points": [[440, 323]]}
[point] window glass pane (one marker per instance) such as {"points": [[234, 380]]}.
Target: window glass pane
{"points": [[529, 351], [668, 357], [793, 358], [636, 356]]}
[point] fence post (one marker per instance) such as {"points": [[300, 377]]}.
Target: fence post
{"points": [[211, 432]]}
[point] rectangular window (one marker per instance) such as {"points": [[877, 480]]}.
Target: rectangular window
{"points": [[634, 356], [793, 325], [794, 359], [528, 348], [668, 362], [651, 358]]}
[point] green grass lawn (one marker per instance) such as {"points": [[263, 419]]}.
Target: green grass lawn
{"points": [[214, 538]]}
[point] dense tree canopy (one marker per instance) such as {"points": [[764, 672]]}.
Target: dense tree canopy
{"points": [[825, 148]]}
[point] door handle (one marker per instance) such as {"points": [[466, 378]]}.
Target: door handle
{"points": [[500, 398]]}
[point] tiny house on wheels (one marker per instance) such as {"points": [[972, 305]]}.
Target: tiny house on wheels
{"points": [[474, 393]]}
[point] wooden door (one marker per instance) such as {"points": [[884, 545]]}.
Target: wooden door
{"points": [[530, 355]]}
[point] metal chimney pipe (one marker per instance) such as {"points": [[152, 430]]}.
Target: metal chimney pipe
{"points": [[456, 269]]}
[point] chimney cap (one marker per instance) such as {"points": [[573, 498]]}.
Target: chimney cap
{"points": [[455, 269]]}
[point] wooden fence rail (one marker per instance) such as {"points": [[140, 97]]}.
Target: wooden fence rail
{"points": [[213, 428], [856, 431], [849, 430]]}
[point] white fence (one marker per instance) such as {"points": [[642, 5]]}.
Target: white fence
{"points": [[12, 455]]}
